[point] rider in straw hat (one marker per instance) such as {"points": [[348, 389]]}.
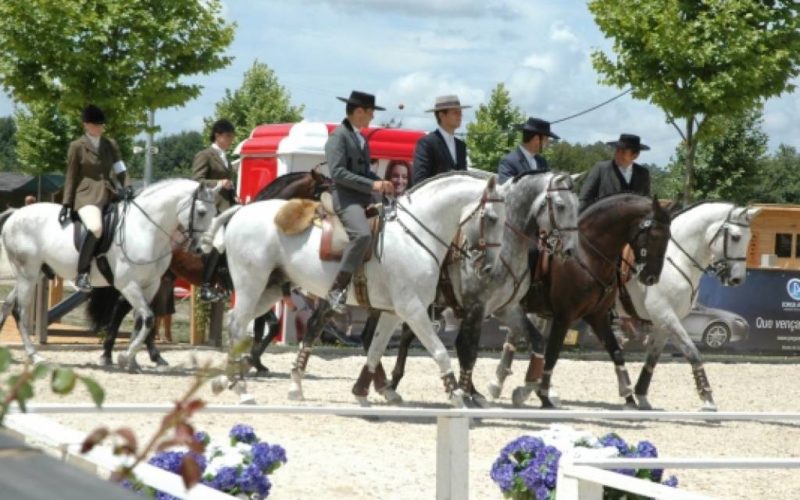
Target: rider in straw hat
{"points": [[441, 151], [619, 175], [347, 154], [527, 157]]}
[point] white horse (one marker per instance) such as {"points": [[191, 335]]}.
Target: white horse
{"points": [[138, 256], [402, 281], [706, 237]]}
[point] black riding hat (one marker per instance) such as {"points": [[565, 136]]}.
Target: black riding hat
{"points": [[629, 141], [362, 100], [93, 114], [537, 126]]}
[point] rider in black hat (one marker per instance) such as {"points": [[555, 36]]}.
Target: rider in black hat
{"points": [[347, 154], [618, 175], [527, 157]]}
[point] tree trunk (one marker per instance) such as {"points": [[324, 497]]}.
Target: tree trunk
{"points": [[691, 147]]}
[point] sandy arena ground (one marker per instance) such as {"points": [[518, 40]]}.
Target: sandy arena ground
{"points": [[338, 457]]}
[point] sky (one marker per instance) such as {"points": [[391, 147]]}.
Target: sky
{"points": [[409, 51]]}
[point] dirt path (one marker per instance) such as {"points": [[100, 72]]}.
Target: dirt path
{"points": [[337, 457]]}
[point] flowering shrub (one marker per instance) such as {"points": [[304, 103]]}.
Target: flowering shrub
{"points": [[239, 468], [527, 467]]}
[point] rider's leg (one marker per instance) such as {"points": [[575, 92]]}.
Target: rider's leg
{"points": [[355, 223], [207, 292], [93, 220]]}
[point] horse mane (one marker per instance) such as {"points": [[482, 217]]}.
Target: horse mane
{"points": [[694, 205], [475, 174], [531, 172], [597, 206], [270, 191]]}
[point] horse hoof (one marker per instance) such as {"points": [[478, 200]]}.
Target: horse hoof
{"points": [[494, 389], [122, 361], [247, 399], [218, 384], [644, 404], [362, 401], [630, 404], [479, 400], [295, 394], [709, 406], [457, 399], [159, 361], [520, 395], [106, 361], [392, 397], [133, 366]]}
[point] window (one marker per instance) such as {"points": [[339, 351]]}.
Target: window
{"points": [[783, 245], [797, 245]]}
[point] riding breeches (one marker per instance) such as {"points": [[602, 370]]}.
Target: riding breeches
{"points": [[355, 223], [92, 218]]}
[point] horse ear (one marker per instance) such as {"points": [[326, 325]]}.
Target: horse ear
{"points": [[750, 213]]}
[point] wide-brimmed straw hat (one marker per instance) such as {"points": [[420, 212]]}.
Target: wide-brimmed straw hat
{"points": [[362, 100], [445, 102], [629, 141]]}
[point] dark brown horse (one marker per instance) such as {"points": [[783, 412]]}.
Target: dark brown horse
{"points": [[586, 284], [107, 308]]}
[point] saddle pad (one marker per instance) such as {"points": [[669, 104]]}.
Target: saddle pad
{"points": [[334, 238], [109, 226]]}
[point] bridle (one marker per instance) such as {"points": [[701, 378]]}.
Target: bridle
{"points": [[482, 245], [719, 268], [646, 226], [553, 239]]}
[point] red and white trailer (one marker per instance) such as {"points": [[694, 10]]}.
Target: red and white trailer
{"points": [[273, 150]]}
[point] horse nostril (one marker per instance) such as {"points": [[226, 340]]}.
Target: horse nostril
{"points": [[735, 281], [486, 269], [651, 280]]}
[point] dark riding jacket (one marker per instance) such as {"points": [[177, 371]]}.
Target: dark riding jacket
{"points": [[432, 157], [349, 165], [606, 179]]}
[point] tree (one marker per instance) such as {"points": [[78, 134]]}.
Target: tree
{"points": [[174, 158], [728, 165], [491, 135], [698, 60], [8, 144], [127, 57], [779, 181], [260, 99], [576, 158], [43, 133]]}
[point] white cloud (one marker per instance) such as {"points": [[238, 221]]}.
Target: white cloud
{"points": [[427, 8]]}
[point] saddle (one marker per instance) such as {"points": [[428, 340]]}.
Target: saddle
{"points": [[110, 218], [334, 237]]}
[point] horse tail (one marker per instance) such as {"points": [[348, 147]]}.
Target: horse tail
{"points": [[210, 237], [100, 308], [4, 217]]}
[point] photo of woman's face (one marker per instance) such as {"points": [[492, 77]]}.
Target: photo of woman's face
{"points": [[399, 178]]}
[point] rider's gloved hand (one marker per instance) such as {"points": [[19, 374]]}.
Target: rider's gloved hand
{"points": [[125, 193], [65, 214]]}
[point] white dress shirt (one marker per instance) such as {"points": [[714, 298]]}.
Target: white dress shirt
{"points": [[221, 154], [529, 157], [450, 140], [627, 172]]}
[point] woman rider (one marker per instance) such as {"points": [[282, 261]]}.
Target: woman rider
{"points": [[92, 163], [211, 167]]}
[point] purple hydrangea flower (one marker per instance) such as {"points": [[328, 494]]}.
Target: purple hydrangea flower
{"points": [[160, 495], [226, 478], [266, 457], [167, 460], [253, 480], [202, 437], [645, 449], [656, 475], [612, 439], [242, 433], [278, 453], [671, 481], [542, 493], [502, 474], [522, 445]]}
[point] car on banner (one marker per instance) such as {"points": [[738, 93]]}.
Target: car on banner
{"points": [[713, 328]]}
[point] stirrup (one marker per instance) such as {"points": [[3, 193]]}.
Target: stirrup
{"points": [[82, 283], [337, 299], [208, 294]]}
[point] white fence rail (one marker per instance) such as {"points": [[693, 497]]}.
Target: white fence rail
{"points": [[582, 479]]}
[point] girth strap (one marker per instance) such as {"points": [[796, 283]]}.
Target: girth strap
{"points": [[360, 287]]}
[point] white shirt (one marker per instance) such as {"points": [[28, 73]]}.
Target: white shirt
{"points": [[221, 154], [360, 137], [627, 172], [94, 141], [450, 140], [529, 157]]}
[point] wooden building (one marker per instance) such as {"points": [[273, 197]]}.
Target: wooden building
{"points": [[775, 241]]}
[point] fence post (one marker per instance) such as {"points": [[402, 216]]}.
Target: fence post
{"points": [[574, 488], [452, 458]]}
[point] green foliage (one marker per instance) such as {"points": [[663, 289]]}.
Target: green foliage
{"points": [[779, 180], [8, 144], [491, 136], [260, 99], [576, 158], [174, 157], [127, 57], [696, 60], [43, 138], [18, 387]]}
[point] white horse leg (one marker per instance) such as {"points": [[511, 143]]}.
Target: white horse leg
{"points": [[415, 314], [692, 355], [387, 324], [8, 305], [25, 291], [654, 347], [144, 320]]}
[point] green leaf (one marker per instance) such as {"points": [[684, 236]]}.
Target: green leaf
{"points": [[5, 359], [95, 391], [63, 380], [40, 371]]}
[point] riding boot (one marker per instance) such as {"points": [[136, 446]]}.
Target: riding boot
{"points": [[337, 296], [207, 292], [85, 262]]}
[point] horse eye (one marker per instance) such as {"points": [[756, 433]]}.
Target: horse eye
{"points": [[202, 212], [736, 237], [492, 217]]}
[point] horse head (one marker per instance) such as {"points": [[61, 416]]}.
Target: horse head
{"points": [[556, 212], [489, 220], [649, 243], [196, 212], [728, 242]]}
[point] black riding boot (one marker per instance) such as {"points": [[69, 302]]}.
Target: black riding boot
{"points": [[207, 291], [85, 262], [337, 296]]}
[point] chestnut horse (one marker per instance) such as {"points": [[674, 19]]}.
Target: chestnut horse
{"points": [[586, 284], [107, 308]]}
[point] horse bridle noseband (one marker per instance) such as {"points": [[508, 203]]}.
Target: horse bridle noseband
{"points": [[552, 239], [482, 245]]}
